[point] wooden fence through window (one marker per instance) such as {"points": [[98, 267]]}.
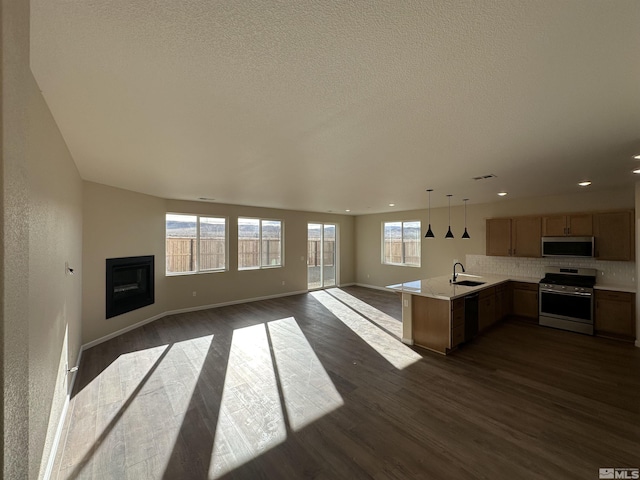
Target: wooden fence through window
{"points": [[314, 250], [181, 253], [393, 251]]}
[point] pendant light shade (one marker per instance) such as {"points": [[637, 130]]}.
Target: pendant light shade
{"points": [[465, 234], [429, 233], [449, 234]]}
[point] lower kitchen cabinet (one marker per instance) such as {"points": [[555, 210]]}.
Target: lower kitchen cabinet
{"points": [[486, 308], [615, 314], [525, 299], [503, 301], [457, 322], [431, 323], [438, 325]]}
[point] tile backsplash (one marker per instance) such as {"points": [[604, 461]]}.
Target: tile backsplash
{"points": [[613, 273]]}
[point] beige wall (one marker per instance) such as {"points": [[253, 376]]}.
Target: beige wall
{"points": [[55, 238], [14, 258], [637, 191], [41, 229], [119, 223], [438, 253]]}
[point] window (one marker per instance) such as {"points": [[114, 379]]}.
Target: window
{"points": [[259, 243], [401, 243], [195, 244]]}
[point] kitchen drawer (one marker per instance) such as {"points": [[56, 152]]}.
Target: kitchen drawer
{"points": [[457, 318], [616, 296], [457, 303], [525, 286], [457, 336], [487, 292]]}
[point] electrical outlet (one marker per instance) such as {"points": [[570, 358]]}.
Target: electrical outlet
{"points": [[194, 294], [406, 303], [282, 282]]}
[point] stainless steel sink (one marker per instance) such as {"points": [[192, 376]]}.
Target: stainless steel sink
{"points": [[469, 283]]}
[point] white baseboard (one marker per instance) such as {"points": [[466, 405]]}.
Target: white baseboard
{"points": [[61, 420], [100, 340], [408, 341], [375, 287]]}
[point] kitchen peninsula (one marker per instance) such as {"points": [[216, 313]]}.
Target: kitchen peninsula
{"points": [[439, 315]]}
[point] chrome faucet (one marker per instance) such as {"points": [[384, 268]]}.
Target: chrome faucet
{"points": [[455, 275]]}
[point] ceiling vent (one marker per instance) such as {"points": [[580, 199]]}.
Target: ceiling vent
{"points": [[485, 177]]}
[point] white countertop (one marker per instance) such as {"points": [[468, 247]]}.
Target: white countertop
{"points": [[616, 288], [442, 288]]}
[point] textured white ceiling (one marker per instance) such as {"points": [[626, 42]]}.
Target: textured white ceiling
{"points": [[332, 105]]}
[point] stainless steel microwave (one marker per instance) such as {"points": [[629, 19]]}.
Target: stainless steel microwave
{"points": [[568, 246]]}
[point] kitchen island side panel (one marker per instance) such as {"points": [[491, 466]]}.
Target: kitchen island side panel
{"points": [[431, 323]]}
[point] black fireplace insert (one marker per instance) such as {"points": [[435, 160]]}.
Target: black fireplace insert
{"points": [[130, 284]]}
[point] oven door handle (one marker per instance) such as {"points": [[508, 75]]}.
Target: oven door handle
{"points": [[568, 294]]}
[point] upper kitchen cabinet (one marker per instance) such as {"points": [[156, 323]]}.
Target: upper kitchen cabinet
{"points": [[499, 237], [614, 235], [526, 233], [514, 237], [577, 224]]}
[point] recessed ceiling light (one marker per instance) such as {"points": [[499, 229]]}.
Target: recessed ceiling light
{"points": [[636, 171], [392, 204], [347, 210], [637, 157], [502, 194], [586, 183]]}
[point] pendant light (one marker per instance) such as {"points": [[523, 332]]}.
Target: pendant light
{"points": [[449, 234], [465, 234], [429, 233]]}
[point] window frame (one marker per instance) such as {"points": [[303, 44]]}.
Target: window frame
{"points": [[260, 253], [403, 263], [198, 270]]}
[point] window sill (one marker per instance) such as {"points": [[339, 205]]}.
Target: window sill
{"points": [[268, 267], [401, 265], [186, 274]]}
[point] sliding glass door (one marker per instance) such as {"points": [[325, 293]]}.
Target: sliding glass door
{"points": [[321, 255]]}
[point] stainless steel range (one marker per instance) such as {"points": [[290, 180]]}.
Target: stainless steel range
{"points": [[566, 299]]}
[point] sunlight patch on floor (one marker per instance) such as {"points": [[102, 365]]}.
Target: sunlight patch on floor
{"points": [[381, 319], [139, 394], [162, 401], [250, 420], [390, 348], [308, 390]]}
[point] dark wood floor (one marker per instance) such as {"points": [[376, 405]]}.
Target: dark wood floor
{"points": [[318, 386]]}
